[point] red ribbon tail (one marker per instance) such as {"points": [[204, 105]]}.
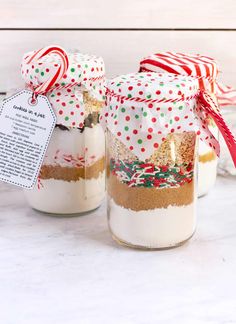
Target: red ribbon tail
{"points": [[209, 105]]}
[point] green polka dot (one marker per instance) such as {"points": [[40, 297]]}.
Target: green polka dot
{"points": [[37, 70], [161, 84], [79, 75], [123, 110], [181, 107], [31, 77], [140, 141], [162, 114], [177, 85], [52, 95], [63, 83], [129, 95], [42, 73], [72, 70], [115, 116], [145, 114], [171, 121], [71, 102], [126, 128], [149, 96], [118, 84], [110, 107], [86, 65], [137, 116], [66, 118]]}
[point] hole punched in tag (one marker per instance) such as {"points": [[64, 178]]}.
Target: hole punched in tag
{"points": [[33, 101]]}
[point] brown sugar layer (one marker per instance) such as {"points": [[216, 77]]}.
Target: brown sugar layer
{"points": [[208, 157], [71, 173], [139, 198]]}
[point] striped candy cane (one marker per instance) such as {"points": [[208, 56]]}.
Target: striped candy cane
{"points": [[62, 67]]}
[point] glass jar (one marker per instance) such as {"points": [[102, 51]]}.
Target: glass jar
{"points": [[72, 176], [226, 166], [207, 164], [151, 159], [204, 69]]}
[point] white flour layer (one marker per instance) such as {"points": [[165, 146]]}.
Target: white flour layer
{"points": [[206, 176], [73, 142], [156, 228], [67, 197]]}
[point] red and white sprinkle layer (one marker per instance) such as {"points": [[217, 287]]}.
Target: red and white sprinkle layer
{"points": [[85, 73]]}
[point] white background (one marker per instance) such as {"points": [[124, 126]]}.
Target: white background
{"points": [[203, 26]]}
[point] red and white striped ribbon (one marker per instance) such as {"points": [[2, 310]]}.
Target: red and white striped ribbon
{"points": [[201, 67], [208, 107], [136, 99], [62, 67]]}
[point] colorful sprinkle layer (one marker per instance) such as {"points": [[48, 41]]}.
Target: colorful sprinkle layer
{"points": [[141, 174]]}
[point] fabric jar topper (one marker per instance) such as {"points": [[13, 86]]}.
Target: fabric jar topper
{"points": [[83, 72], [203, 68], [143, 108]]}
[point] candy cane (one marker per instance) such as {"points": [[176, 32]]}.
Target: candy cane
{"points": [[62, 67]]}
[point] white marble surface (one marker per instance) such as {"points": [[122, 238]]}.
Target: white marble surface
{"points": [[69, 271]]}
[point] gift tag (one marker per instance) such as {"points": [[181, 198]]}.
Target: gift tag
{"points": [[25, 131]]}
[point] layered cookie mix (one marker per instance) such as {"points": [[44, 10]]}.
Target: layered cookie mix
{"points": [[152, 192], [72, 176], [151, 144]]}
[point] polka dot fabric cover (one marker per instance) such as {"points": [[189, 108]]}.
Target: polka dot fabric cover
{"points": [[142, 126], [86, 70]]}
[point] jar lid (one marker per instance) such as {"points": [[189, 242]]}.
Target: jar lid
{"points": [[143, 108], [85, 73], [201, 67]]}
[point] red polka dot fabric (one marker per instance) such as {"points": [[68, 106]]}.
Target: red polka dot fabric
{"points": [[142, 108], [87, 72]]}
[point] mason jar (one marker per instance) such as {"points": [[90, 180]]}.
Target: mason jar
{"points": [[207, 163], [151, 159], [72, 176], [204, 70]]}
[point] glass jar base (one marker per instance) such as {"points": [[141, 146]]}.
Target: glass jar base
{"points": [[145, 248], [73, 214]]}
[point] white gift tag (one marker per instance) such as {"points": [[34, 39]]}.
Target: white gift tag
{"points": [[25, 131]]}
